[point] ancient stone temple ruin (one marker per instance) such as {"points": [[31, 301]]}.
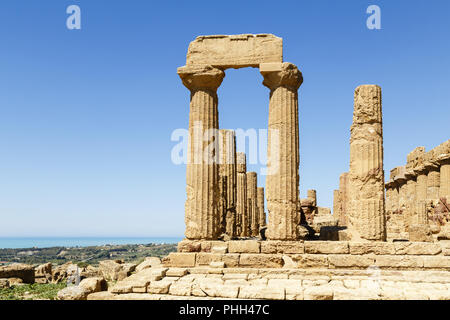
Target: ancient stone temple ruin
{"points": [[382, 241], [418, 196]]}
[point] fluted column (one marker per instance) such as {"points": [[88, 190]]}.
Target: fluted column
{"points": [[444, 188], [282, 182], [411, 185], [227, 168], [252, 185], [260, 204], [367, 219], [241, 199], [433, 181], [421, 189], [202, 175]]}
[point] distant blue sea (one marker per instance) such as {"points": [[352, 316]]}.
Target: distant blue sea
{"points": [[23, 243]]}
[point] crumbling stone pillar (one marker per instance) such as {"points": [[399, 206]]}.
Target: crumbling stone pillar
{"points": [[202, 174], [444, 189], [337, 212], [252, 185], [282, 182], [344, 196], [241, 199], [227, 168], [367, 215], [260, 204]]}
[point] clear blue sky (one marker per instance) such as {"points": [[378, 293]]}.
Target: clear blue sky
{"points": [[86, 115]]}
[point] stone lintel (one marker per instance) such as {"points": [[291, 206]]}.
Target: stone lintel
{"points": [[235, 51]]}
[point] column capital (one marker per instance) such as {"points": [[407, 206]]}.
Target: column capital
{"points": [[443, 158], [431, 166], [410, 175], [420, 170], [281, 74], [201, 77]]}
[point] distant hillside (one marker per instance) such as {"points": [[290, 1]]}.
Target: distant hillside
{"points": [[91, 255]]}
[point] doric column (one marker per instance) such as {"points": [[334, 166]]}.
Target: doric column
{"points": [[367, 214], [444, 189], [419, 229], [260, 204], [202, 174], [422, 177], [394, 197], [241, 199], [227, 168], [389, 203], [433, 180], [282, 181], [252, 185], [411, 185]]}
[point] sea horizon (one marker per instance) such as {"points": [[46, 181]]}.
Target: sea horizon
{"points": [[48, 242]]}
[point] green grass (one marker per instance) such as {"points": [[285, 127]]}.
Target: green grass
{"points": [[31, 292]]}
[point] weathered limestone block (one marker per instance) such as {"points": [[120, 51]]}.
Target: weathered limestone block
{"points": [[350, 261], [189, 246], [227, 168], [252, 186], [204, 258], [261, 292], [244, 246], [367, 215], [282, 182], [417, 248], [260, 205], [420, 233], [253, 260], [115, 269], [399, 262], [178, 259], [311, 260], [318, 293], [180, 289], [18, 270], [326, 247], [242, 224], [176, 272], [286, 247], [437, 262], [158, 287], [202, 175], [235, 51], [73, 293], [95, 284], [379, 248]]}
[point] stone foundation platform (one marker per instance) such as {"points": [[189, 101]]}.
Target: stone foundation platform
{"points": [[312, 254], [283, 270], [279, 284]]}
